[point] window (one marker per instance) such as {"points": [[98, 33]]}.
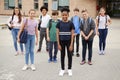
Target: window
{"points": [[45, 2], [9, 4], [55, 5], [36, 4], [63, 3], [20, 4]]}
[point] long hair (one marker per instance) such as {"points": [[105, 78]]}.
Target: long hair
{"points": [[19, 14]]}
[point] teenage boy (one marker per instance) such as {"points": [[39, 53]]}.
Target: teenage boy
{"points": [[87, 33], [51, 36], [76, 21], [65, 34], [44, 21]]}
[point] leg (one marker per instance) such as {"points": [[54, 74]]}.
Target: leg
{"points": [[84, 46], [90, 50], [69, 55], [104, 38], [50, 50], [27, 47], [100, 39], [55, 50], [41, 40], [14, 35], [62, 43], [32, 44], [47, 43], [77, 43]]}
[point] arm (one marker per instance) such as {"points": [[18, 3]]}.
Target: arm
{"points": [[47, 32], [36, 33], [58, 42]]}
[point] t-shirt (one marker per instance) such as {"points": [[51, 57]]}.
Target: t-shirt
{"points": [[52, 30], [76, 22], [102, 21], [31, 25], [45, 20], [65, 30]]}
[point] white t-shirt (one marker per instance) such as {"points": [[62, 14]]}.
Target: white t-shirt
{"points": [[45, 20], [15, 22], [102, 21]]}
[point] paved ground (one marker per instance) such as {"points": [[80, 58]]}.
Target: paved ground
{"points": [[105, 67]]}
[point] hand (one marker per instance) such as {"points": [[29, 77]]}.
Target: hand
{"points": [[48, 39], [18, 39], [70, 48], [107, 24], [59, 47], [36, 43], [86, 37]]}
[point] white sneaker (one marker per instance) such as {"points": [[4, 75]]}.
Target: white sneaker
{"points": [[25, 67], [100, 52], [33, 67], [70, 72], [103, 52], [61, 73]]}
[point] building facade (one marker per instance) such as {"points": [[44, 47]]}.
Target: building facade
{"points": [[6, 6]]}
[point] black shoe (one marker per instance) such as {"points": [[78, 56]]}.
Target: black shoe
{"points": [[38, 50], [78, 55], [47, 50]]}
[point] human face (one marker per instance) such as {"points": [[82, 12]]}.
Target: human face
{"points": [[32, 14], [54, 17], [44, 12], [85, 15], [65, 16], [102, 12], [76, 13], [17, 11]]}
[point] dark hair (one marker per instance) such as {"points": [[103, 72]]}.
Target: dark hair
{"points": [[84, 10], [19, 14], [55, 13], [43, 7], [65, 9], [76, 9]]}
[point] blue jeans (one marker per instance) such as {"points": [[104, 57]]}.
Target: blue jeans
{"points": [[29, 46], [86, 43], [14, 35], [102, 38], [51, 44]]}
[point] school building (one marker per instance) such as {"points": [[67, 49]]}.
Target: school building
{"points": [[112, 6]]}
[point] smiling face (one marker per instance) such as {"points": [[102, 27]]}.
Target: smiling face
{"points": [[65, 16], [44, 12], [85, 15], [102, 11], [32, 13]]}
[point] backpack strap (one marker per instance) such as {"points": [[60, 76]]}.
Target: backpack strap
{"points": [[50, 24]]}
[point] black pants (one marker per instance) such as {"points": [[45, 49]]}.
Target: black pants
{"points": [[84, 47], [77, 43], [42, 36], [64, 45]]}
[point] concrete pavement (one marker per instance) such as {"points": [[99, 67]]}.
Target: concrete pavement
{"points": [[105, 67]]}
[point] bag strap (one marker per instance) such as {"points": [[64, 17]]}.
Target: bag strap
{"points": [[11, 19], [25, 24]]}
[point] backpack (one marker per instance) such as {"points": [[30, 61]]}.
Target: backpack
{"points": [[90, 20], [10, 28], [40, 23], [50, 23]]}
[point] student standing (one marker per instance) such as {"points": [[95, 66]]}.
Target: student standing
{"points": [[15, 22], [65, 34], [87, 33], [76, 21], [51, 36], [102, 23], [30, 24], [44, 21]]}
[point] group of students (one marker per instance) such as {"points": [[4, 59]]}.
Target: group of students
{"points": [[60, 34]]}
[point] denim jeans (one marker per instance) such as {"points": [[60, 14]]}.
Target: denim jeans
{"points": [[29, 46], [102, 38], [14, 35], [51, 44], [86, 43]]}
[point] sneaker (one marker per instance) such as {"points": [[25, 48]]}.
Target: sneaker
{"points": [[49, 61], [78, 55], [25, 67], [33, 67], [103, 52], [61, 73], [89, 62], [38, 50], [70, 72], [100, 52], [83, 62], [55, 60]]}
